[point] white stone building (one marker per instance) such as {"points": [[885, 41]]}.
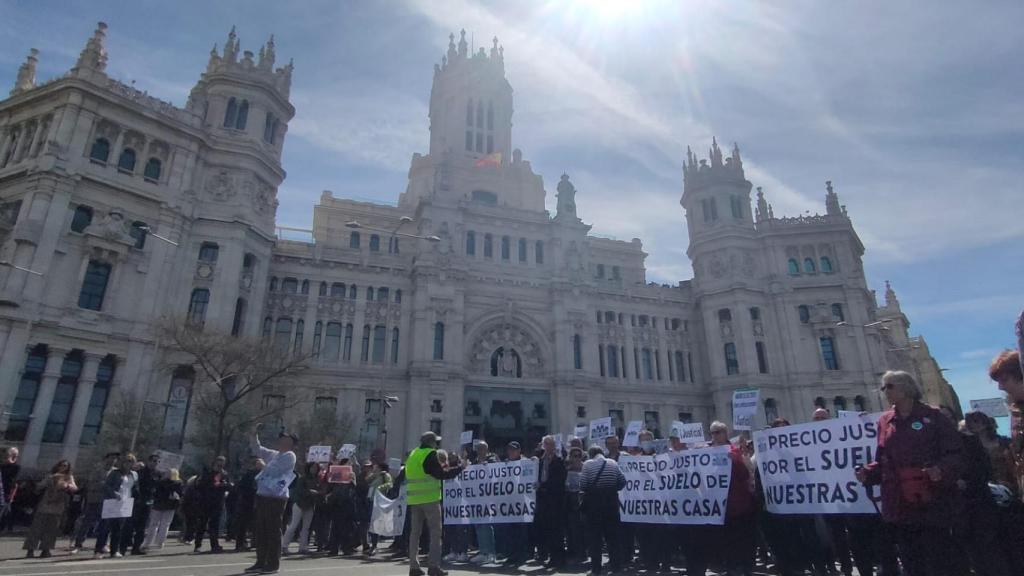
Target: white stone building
{"points": [[467, 300]]}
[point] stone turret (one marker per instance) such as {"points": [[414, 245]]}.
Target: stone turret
{"points": [[26, 79], [247, 69], [92, 61]]}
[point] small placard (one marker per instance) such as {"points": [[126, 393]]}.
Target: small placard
{"points": [[339, 474]]}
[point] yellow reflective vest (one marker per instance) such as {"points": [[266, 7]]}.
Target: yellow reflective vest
{"points": [[421, 488]]}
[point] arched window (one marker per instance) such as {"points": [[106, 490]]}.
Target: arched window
{"points": [[269, 128], [828, 353], [538, 252], [837, 313], [273, 284], [732, 363], [282, 334], [380, 340], [826, 265], [506, 248], [248, 263], [353, 292], [346, 352], [332, 341], [439, 341], [305, 287], [208, 252], [771, 411], [231, 114], [383, 294], [318, 329], [648, 363], [762, 357], [290, 285], [374, 243], [338, 290], [100, 151], [794, 267], [138, 231], [838, 403], [353, 240], [98, 400], [860, 404], [393, 245], [28, 389], [577, 352], [488, 246], [238, 322], [394, 345], [808, 265], [609, 317], [268, 324], [94, 285], [63, 397], [152, 171], [680, 368], [755, 313], [369, 293], [725, 315], [398, 296], [82, 219], [300, 327], [243, 115], [805, 313], [197, 306], [323, 289], [126, 163], [522, 249], [364, 355], [613, 361], [470, 243]]}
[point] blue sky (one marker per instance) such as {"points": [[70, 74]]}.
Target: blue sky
{"points": [[912, 109]]}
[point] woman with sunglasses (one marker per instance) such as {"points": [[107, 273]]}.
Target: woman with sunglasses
{"points": [[917, 464]]}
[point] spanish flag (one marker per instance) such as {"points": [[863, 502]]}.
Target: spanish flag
{"points": [[490, 160]]}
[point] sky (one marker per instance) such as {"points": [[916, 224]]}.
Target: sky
{"points": [[913, 109]]}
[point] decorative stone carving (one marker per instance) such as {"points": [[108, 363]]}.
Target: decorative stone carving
{"points": [[112, 227], [716, 267], [221, 186], [518, 352]]}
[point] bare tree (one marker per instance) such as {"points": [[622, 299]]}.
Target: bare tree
{"points": [[119, 420], [230, 373], [324, 427]]}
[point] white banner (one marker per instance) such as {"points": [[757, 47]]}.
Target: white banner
{"points": [[168, 460], [692, 433], [388, 516], [580, 431], [346, 451], [809, 468], [318, 454], [994, 407], [744, 408], [498, 493], [632, 435], [687, 487], [601, 428]]}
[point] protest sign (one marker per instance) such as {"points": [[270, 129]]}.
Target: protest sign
{"points": [[744, 408], [688, 487], [632, 436], [169, 460], [339, 474], [661, 446], [394, 465], [810, 468], [318, 454], [600, 429], [114, 508], [580, 431], [994, 407], [466, 438], [498, 493], [688, 433], [388, 516], [847, 414], [346, 451]]}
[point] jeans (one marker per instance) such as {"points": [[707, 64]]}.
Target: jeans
{"points": [[299, 516], [138, 523], [431, 515], [119, 532], [601, 515], [269, 515], [208, 521], [89, 522], [156, 532], [485, 538]]}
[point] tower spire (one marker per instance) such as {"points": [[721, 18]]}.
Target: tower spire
{"points": [[26, 79], [463, 47], [762, 213], [832, 207], [94, 55], [231, 47], [891, 301]]}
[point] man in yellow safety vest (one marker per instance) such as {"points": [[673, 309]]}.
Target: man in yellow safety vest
{"points": [[423, 476]]}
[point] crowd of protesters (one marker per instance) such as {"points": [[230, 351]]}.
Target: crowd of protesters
{"points": [[950, 495]]}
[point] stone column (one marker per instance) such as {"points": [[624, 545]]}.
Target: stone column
{"points": [[23, 139], [35, 139], [6, 141], [41, 409], [79, 410]]}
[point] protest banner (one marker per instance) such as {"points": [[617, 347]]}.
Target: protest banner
{"points": [[600, 429], [394, 465], [580, 431], [688, 487], [346, 451], [688, 433], [339, 474], [168, 460], [810, 468], [498, 493], [114, 508], [744, 408], [994, 407], [466, 438], [388, 516], [632, 435], [318, 454]]}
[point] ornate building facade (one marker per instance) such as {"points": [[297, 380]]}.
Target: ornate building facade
{"points": [[468, 300]]}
